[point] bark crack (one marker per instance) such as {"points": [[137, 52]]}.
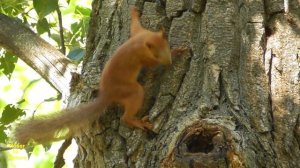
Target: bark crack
{"points": [[297, 130], [270, 94]]}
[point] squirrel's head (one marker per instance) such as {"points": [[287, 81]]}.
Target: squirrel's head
{"points": [[156, 43]]}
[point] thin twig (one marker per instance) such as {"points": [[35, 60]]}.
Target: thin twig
{"points": [[61, 31], [59, 161]]}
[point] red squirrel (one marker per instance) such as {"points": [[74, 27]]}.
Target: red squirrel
{"points": [[118, 85]]}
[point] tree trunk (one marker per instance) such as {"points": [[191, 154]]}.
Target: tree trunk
{"points": [[231, 101]]}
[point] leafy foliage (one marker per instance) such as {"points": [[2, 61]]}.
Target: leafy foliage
{"points": [[3, 136], [82, 11], [41, 16], [7, 63], [10, 114], [44, 7], [13, 7], [43, 26]]}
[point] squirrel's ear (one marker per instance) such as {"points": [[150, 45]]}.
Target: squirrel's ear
{"points": [[163, 33]]}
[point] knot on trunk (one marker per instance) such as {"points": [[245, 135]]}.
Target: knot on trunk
{"points": [[201, 145], [200, 141]]}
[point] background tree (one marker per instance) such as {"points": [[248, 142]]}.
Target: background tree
{"points": [[231, 101], [63, 24]]}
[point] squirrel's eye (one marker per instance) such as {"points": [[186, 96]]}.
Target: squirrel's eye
{"points": [[149, 45]]}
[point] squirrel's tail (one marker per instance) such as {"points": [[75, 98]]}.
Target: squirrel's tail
{"points": [[59, 125]]}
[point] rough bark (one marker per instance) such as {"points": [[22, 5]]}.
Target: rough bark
{"points": [[231, 101], [51, 64]]}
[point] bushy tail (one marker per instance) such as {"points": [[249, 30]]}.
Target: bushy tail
{"points": [[59, 125]]}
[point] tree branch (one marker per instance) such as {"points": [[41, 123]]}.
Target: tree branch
{"points": [[51, 64], [59, 161]]}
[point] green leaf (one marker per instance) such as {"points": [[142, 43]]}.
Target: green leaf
{"points": [[3, 136], [75, 27], [43, 26], [70, 8], [7, 64], [21, 101], [82, 11], [10, 114], [56, 37], [47, 147], [31, 84], [29, 149], [76, 54], [79, 30], [44, 7], [3, 159], [51, 99]]}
